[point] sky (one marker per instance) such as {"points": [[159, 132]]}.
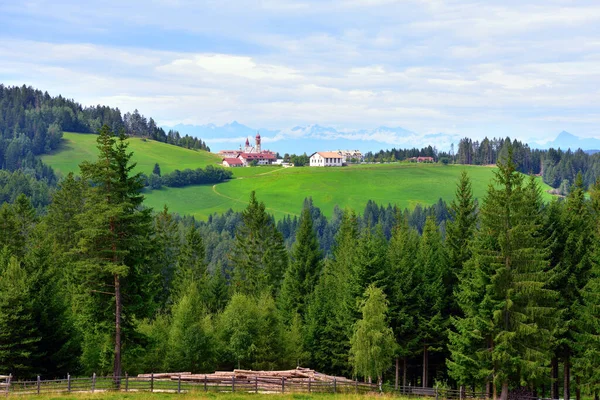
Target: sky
{"points": [[526, 69]]}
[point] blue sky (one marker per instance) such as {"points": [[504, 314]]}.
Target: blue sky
{"points": [[528, 69]]}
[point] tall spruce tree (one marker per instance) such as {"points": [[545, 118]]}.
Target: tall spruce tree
{"points": [[431, 270], [332, 310], [19, 334], [572, 272], [303, 272], [514, 310], [112, 243], [460, 231], [259, 256], [402, 252]]}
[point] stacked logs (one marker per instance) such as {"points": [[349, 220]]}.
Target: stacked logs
{"points": [[299, 378]]}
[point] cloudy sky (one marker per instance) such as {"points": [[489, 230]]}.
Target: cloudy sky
{"points": [[521, 68]]}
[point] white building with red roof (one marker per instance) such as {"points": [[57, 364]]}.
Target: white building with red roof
{"points": [[233, 162]]}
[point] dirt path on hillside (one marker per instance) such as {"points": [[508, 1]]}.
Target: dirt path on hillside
{"points": [[214, 189]]}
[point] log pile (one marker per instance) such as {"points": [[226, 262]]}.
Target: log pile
{"points": [[260, 380]]}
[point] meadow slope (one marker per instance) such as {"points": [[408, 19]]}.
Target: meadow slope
{"points": [[284, 189]]}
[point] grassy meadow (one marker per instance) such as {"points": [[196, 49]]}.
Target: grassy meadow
{"points": [[283, 189], [204, 396], [78, 147]]}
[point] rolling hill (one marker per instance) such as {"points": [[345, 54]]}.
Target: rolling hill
{"points": [[282, 189], [77, 147]]}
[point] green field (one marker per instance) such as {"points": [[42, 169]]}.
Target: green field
{"points": [[284, 189], [206, 396], [77, 147]]}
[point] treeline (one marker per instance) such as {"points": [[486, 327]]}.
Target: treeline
{"points": [[497, 296], [137, 125], [558, 168], [394, 154], [299, 160], [41, 118], [187, 177]]}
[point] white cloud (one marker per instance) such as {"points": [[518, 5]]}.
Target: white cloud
{"points": [[462, 66]]}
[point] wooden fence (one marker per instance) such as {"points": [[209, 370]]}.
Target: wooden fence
{"points": [[152, 384]]}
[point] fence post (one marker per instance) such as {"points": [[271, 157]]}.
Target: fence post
{"points": [[205, 387], [152, 382], [461, 394], [179, 384], [8, 384], [309, 379], [334, 385], [436, 393], [282, 384], [93, 382], [356, 385], [69, 383], [39, 384], [256, 384], [126, 382]]}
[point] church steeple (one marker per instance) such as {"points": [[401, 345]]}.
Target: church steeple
{"points": [[257, 142]]}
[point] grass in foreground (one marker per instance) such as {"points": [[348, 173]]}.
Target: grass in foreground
{"points": [[203, 396]]}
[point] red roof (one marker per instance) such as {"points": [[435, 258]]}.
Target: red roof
{"points": [[233, 161], [258, 156]]}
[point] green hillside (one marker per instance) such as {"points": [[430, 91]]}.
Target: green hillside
{"points": [[77, 147], [284, 189]]}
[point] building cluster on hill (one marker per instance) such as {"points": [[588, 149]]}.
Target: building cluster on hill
{"points": [[254, 155], [248, 155]]}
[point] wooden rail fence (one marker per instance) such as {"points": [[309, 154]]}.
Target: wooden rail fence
{"points": [[152, 384]]}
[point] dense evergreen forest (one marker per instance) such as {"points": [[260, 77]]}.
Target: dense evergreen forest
{"points": [[32, 121], [498, 296]]}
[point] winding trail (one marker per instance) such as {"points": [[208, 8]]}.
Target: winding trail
{"points": [[214, 189]]}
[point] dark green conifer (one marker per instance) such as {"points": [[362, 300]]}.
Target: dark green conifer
{"points": [[303, 273]]}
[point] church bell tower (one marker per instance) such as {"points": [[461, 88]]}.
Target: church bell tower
{"points": [[258, 142]]}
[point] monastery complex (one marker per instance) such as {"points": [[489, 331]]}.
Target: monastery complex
{"points": [[255, 155]]}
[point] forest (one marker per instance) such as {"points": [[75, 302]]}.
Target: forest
{"points": [[497, 295]]}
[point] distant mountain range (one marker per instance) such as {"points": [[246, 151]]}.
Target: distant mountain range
{"points": [[566, 140], [311, 138]]}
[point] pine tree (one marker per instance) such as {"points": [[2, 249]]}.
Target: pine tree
{"points": [[371, 261], [113, 242], [304, 269], [67, 203], [372, 344], [19, 334], [460, 231], [167, 240], [404, 305], [509, 261], [332, 310], [431, 270], [259, 256], [572, 272], [9, 233]]}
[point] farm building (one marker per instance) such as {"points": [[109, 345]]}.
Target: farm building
{"points": [[232, 162], [351, 156], [326, 159]]}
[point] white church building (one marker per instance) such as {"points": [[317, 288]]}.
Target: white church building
{"points": [[326, 159]]}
